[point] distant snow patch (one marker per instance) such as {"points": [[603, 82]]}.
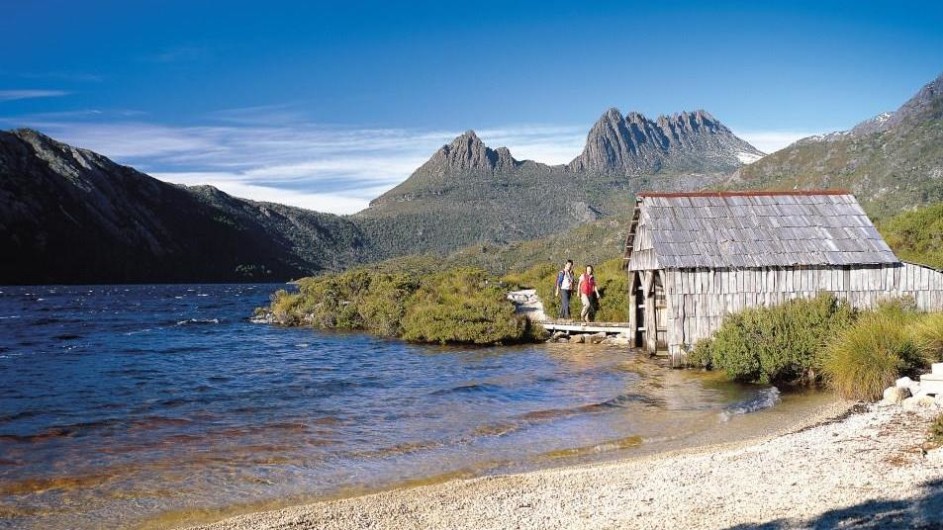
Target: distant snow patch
{"points": [[748, 158]]}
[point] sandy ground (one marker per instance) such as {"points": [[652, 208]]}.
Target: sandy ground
{"points": [[866, 470]]}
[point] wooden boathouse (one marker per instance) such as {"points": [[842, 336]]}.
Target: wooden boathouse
{"points": [[693, 258]]}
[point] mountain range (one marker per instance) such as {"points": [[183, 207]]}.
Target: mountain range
{"points": [[468, 192], [68, 215]]}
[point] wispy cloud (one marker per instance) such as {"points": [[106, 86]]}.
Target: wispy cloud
{"points": [[179, 54], [270, 153], [13, 95]]}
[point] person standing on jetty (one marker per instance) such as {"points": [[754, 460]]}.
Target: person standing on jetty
{"points": [[564, 288], [589, 293]]}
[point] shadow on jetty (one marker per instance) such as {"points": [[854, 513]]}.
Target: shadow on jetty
{"points": [[924, 514]]}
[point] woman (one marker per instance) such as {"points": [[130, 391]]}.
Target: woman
{"points": [[588, 293]]}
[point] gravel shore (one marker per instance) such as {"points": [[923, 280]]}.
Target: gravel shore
{"points": [[867, 469]]}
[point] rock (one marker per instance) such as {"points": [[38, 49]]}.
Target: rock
{"points": [[596, 338], [563, 340], [919, 403], [895, 395], [558, 334], [578, 339], [904, 382]]}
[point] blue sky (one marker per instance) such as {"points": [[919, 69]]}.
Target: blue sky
{"points": [[328, 104]]}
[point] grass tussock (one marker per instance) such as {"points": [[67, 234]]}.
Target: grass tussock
{"points": [[935, 432], [928, 335], [863, 360]]}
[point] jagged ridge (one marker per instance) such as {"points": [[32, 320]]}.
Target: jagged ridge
{"points": [[634, 144]]}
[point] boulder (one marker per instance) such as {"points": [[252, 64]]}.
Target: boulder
{"points": [[596, 338], [578, 339], [919, 403], [904, 382], [895, 395]]}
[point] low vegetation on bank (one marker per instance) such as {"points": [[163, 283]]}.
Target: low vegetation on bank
{"points": [[463, 305], [611, 278], [823, 340], [916, 235]]}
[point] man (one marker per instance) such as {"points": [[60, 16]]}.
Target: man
{"points": [[564, 288]]}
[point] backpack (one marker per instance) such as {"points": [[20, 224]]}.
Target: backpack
{"points": [[587, 285]]}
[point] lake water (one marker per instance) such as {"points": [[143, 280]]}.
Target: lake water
{"points": [[124, 406]]}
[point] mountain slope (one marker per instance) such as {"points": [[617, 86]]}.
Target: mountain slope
{"points": [[891, 162], [468, 192], [69, 215]]}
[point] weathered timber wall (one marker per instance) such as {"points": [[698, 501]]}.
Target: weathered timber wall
{"points": [[699, 299]]}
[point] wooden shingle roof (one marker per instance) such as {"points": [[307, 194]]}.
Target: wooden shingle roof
{"points": [[754, 229]]}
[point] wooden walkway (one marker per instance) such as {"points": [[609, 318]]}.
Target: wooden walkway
{"points": [[613, 328]]}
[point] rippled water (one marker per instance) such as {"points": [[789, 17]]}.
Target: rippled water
{"points": [[151, 405]]}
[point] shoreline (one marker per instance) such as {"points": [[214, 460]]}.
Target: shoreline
{"points": [[837, 465]]}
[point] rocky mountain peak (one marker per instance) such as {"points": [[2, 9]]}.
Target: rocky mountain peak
{"points": [[634, 144], [468, 152]]}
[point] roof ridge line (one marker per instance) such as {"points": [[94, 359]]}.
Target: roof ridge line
{"points": [[760, 193]]}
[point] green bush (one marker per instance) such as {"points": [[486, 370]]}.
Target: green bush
{"points": [[462, 306], [864, 359], [701, 356], [777, 344]]}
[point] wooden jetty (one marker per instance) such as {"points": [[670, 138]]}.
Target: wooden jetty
{"points": [[576, 327]]}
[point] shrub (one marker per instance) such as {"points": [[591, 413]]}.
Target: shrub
{"points": [[701, 356], [864, 359], [464, 306], [777, 344]]}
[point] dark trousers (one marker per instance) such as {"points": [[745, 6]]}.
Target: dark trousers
{"points": [[565, 303]]}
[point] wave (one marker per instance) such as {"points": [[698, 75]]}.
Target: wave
{"points": [[473, 388], [198, 321], [764, 399]]}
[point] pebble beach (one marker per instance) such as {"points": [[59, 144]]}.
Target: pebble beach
{"points": [[846, 465]]}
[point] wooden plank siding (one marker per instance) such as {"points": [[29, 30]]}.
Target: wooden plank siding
{"points": [[699, 299]]}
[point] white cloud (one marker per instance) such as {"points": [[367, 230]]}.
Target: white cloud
{"points": [[13, 95], [329, 169], [549, 144]]}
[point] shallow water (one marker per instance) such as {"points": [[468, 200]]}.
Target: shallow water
{"points": [[150, 405]]}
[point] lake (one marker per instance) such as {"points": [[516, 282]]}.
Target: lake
{"points": [[152, 405]]}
